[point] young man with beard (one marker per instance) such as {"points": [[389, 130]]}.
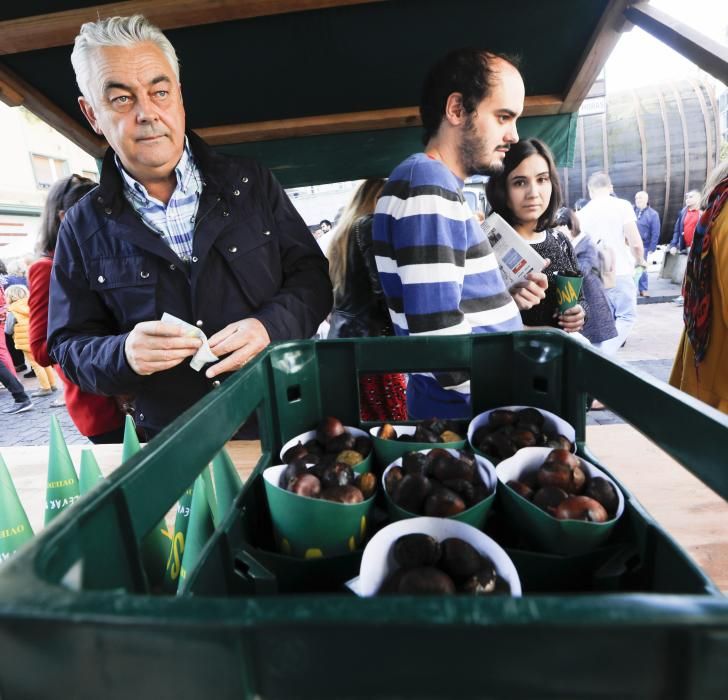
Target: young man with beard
{"points": [[438, 271]]}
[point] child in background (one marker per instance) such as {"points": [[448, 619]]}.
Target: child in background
{"points": [[16, 296]]}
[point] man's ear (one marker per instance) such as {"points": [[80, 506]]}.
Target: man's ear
{"points": [[455, 110], [90, 114]]}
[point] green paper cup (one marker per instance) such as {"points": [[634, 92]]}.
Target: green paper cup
{"points": [[361, 468], [377, 561], [475, 515], [552, 425], [389, 450], [311, 527], [568, 287], [552, 535]]}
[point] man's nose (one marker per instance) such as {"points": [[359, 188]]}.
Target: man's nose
{"points": [[512, 134], [146, 110]]}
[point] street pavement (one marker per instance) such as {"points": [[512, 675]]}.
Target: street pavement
{"points": [[651, 347]]}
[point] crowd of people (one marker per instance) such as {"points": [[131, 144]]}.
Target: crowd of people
{"points": [[214, 241]]}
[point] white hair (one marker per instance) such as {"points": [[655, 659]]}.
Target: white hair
{"points": [[116, 31]]}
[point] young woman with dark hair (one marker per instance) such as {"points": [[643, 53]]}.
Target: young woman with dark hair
{"points": [[527, 194], [96, 417]]}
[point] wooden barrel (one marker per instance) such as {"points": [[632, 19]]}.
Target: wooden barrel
{"points": [[663, 139]]}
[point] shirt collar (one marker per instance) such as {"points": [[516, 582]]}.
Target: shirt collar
{"points": [[184, 172]]}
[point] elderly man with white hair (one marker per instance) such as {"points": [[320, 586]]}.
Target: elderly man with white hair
{"points": [[648, 224], [172, 227]]}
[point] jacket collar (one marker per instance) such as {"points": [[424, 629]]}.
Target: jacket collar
{"points": [[213, 168]]}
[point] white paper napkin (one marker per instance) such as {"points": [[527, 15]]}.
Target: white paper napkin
{"points": [[204, 355]]}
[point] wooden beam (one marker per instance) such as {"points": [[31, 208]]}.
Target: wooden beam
{"points": [[15, 92], [347, 122], [704, 52], [595, 55], [60, 28]]}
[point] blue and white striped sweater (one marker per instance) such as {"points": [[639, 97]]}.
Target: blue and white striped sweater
{"points": [[437, 269]]}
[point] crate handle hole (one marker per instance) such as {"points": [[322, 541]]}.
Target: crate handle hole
{"points": [[294, 393], [541, 384]]}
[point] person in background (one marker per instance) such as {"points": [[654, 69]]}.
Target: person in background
{"points": [[8, 379], [527, 194], [359, 306], [437, 269], [173, 227], [17, 322], [648, 224], [687, 220], [611, 222], [682, 235], [99, 418], [17, 360], [701, 362], [324, 226], [599, 325], [580, 203]]}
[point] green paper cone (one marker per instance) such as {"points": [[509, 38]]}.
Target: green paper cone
{"points": [[199, 530], [568, 287], [89, 472], [210, 493], [387, 451], [312, 527], [62, 489], [14, 525], [156, 545], [176, 550], [131, 442], [227, 481]]}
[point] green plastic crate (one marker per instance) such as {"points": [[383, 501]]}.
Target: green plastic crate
{"points": [[636, 619]]}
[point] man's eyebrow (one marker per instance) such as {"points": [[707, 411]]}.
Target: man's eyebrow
{"points": [[112, 84], [509, 112]]}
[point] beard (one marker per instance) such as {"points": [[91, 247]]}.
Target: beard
{"points": [[473, 154]]}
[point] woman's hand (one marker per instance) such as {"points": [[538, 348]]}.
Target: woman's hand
{"points": [[530, 291], [572, 320]]}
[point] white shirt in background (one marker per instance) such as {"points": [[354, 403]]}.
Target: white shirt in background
{"points": [[604, 219]]}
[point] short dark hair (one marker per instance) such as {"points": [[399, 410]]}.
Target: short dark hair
{"points": [[567, 217], [467, 71], [580, 203], [496, 187], [325, 221]]}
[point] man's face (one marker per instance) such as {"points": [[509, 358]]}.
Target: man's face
{"points": [[325, 228], [640, 199], [692, 200], [489, 131], [135, 101]]}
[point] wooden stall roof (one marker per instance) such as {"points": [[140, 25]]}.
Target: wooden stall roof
{"points": [[319, 90]]}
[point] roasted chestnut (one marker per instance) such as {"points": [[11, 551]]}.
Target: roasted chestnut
{"points": [[411, 492], [367, 484], [602, 490], [338, 474], [329, 428], [306, 485], [343, 494], [459, 559], [350, 457], [416, 549], [521, 489], [549, 497], [443, 503], [581, 508], [387, 432], [426, 580]]}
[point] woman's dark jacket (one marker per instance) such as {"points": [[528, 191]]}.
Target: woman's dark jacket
{"points": [[359, 307], [253, 257]]}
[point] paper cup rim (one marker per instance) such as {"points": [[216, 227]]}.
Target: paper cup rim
{"points": [[531, 453], [371, 579], [307, 435], [485, 470], [274, 472], [557, 421]]}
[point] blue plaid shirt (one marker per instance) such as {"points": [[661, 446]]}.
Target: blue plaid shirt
{"points": [[175, 221]]}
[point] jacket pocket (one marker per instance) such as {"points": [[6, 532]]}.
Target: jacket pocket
{"points": [[128, 287], [252, 255]]}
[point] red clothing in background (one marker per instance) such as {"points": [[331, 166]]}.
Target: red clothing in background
{"points": [[5, 357], [91, 413], [689, 223]]}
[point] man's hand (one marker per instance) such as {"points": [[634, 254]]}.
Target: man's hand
{"points": [[243, 339], [572, 319], [530, 291], [153, 346]]}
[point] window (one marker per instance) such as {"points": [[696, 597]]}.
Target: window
{"points": [[47, 170]]}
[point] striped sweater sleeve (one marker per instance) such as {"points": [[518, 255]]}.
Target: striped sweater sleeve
{"points": [[438, 272]]}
